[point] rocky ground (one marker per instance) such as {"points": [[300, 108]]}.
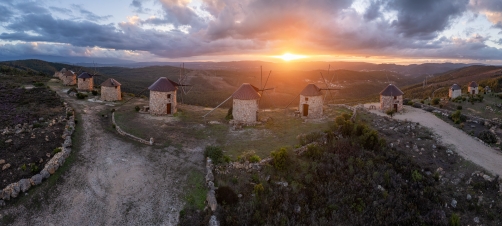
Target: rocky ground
{"points": [[112, 181], [31, 124]]}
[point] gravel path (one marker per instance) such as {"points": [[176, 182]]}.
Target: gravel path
{"points": [[114, 181], [463, 144]]}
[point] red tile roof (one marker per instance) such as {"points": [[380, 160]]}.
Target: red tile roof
{"points": [[164, 85], [391, 90], [246, 92], [311, 90], [85, 75]]}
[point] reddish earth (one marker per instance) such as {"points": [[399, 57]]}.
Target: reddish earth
{"points": [[28, 134]]}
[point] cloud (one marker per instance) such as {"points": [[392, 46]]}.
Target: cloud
{"points": [[5, 14], [373, 11], [92, 16]]}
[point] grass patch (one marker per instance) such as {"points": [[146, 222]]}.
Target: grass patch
{"points": [[196, 191]]}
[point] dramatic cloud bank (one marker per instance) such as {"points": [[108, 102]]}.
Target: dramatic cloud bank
{"points": [[208, 29]]}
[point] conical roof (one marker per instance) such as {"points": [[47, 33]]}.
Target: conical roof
{"points": [[455, 87], [473, 84], [311, 90], [63, 70], [110, 83], [85, 75], [164, 85], [391, 90], [246, 92], [69, 73]]}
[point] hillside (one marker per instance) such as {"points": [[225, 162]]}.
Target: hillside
{"points": [[483, 75]]}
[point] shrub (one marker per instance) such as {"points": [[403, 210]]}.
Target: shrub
{"points": [[454, 220], [34, 167], [38, 84], [346, 116], [258, 189], [23, 167], [137, 108], [254, 158], [417, 105], [229, 115], [459, 107], [487, 137], [94, 92], [457, 117], [81, 96], [390, 112], [56, 150], [226, 196], [280, 158], [416, 176], [215, 154], [435, 101]]}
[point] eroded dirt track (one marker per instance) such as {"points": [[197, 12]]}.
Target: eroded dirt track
{"points": [[114, 181], [463, 144]]}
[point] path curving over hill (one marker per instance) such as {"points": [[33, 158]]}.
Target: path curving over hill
{"points": [[113, 182], [463, 144]]}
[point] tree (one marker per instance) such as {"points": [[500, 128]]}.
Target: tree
{"points": [[390, 112]]}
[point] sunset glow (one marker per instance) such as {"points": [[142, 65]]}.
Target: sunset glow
{"points": [[290, 57]]}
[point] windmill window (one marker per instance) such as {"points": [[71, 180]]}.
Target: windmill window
{"points": [[84, 79], [306, 99], [168, 96], [395, 97]]}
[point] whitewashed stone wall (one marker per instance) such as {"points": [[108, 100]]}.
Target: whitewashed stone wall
{"points": [[86, 84], [454, 93], [387, 102], [110, 93], [315, 104], [159, 101], [69, 80], [245, 110], [470, 89]]}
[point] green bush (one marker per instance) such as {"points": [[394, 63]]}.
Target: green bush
{"points": [[95, 92], [215, 153], [258, 189], [390, 112], [435, 101], [56, 150], [229, 115], [23, 167], [416, 176], [254, 158], [280, 158], [487, 137], [137, 108], [454, 220], [457, 117], [81, 95]]}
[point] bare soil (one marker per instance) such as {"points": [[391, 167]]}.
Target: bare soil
{"points": [[114, 181], [29, 147]]}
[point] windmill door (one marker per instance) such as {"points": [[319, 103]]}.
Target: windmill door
{"points": [[168, 109], [395, 107], [305, 110]]}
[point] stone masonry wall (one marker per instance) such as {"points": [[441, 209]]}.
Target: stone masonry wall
{"points": [[315, 106], [245, 110], [69, 80], [387, 102], [86, 84], [159, 101], [455, 93], [470, 89], [110, 93]]}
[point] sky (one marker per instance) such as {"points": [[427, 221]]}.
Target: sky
{"points": [[377, 31]]}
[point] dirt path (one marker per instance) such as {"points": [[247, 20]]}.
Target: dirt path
{"points": [[114, 181], [463, 144]]}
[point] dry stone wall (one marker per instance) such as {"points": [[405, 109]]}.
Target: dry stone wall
{"points": [[314, 103], [245, 111], [159, 101], [69, 80], [123, 133], [387, 102], [110, 93], [15, 189], [85, 84]]}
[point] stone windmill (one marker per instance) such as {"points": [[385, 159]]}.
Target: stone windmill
{"points": [[312, 100], [246, 102]]}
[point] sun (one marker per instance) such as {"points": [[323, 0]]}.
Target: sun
{"points": [[290, 57]]}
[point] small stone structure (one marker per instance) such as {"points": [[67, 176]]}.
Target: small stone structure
{"points": [[473, 88], [455, 91], [245, 104], [391, 98], [69, 78], [85, 82], [110, 90], [311, 102], [163, 97]]}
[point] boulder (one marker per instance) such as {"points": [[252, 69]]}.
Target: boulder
{"points": [[36, 179], [6, 166], [209, 176], [45, 174], [2, 161], [15, 190], [211, 200], [6, 193], [24, 185], [454, 203], [52, 168], [213, 221], [67, 142]]}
